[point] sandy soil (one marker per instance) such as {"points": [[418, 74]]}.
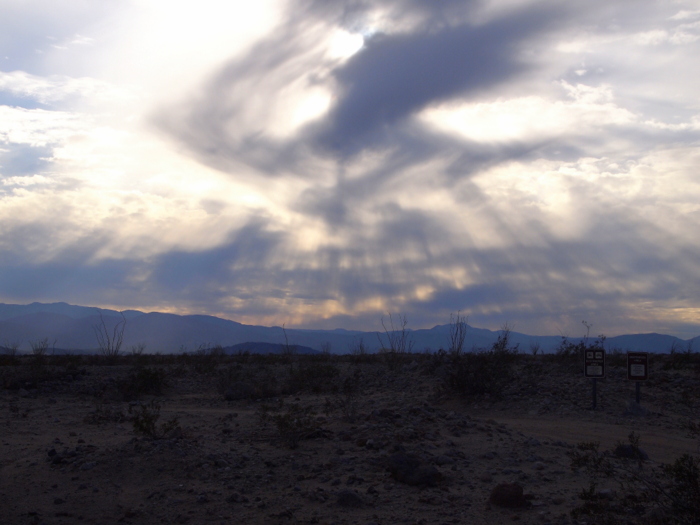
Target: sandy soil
{"points": [[69, 451]]}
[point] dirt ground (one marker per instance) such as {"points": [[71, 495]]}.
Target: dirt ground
{"points": [[327, 440]]}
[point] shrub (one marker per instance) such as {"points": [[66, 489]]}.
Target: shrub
{"points": [[104, 413], [206, 360], [347, 399], [151, 381], [295, 424], [8, 354], [314, 377], [680, 359], [145, 417], [110, 343], [673, 490], [39, 354], [399, 341], [480, 373], [684, 492]]}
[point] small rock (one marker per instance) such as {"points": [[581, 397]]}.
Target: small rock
{"points": [[409, 469], [443, 460], [349, 498], [239, 390], [509, 495], [236, 498], [630, 452], [58, 501], [608, 494]]}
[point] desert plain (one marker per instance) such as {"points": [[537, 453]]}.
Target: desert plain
{"points": [[355, 439]]}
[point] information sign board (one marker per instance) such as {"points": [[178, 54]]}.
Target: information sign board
{"points": [[594, 365], [637, 366]]}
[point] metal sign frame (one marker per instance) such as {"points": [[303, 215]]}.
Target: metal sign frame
{"points": [[637, 366], [594, 363]]}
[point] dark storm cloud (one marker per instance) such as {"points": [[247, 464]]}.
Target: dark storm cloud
{"points": [[237, 263], [391, 78], [395, 76], [26, 276]]}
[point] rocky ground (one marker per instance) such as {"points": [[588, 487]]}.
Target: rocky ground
{"points": [[335, 440]]}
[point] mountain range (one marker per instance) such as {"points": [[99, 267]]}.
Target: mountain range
{"points": [[68, 327]]}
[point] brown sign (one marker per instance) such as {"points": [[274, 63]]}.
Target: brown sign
{"points": [[594, 365], [637, 366]]}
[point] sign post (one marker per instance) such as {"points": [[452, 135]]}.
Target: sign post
{"points": [[594, 367], [637, 369]]}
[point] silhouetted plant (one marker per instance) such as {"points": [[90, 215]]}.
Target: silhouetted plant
{"points": [[680, 358], [39, 358], [359, 352], [110, 342], [398, 341], [458, 332], [9, 354]]}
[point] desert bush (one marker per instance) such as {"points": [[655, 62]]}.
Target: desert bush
{"points": [[458, 331], [435, 362], [681, 359], [682, 500], [141, 381], [207, 360], [398, 341], [314, 377], [233, 386], [38, 361], [672, 492], [359, 352], [8, 354], [259, 380], [616, 358], [347, 399], [110, 342], [480, 373], [326, 350], [485, 372], [295, 424], [137, 350], [104, 413], [145, 419]]}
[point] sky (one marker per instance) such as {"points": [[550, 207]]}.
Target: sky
{"points": [[323, 163]]}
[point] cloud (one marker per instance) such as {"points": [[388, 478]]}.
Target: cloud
{"points": [[520, 161], [55, 88]]}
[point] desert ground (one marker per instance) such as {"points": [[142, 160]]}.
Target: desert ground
{"points": [[355, 439]]}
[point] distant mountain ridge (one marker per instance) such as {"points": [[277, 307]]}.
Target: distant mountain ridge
{"points": [[71, 327]]}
